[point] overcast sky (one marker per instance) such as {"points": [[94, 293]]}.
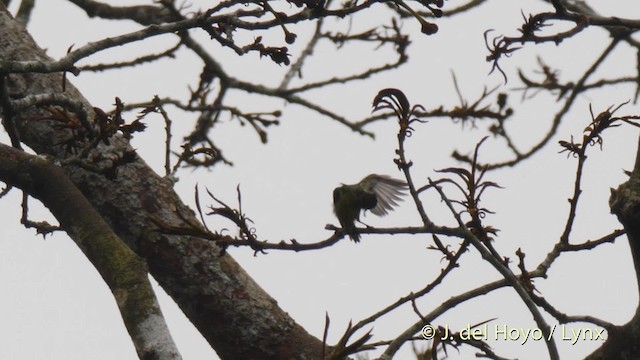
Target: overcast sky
{"points": [[55, 306]]}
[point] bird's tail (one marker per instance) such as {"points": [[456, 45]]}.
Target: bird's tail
{"points": [[352, 232]]}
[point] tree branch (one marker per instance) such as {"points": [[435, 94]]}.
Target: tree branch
{"points": [[123, 271], [210, 288]]}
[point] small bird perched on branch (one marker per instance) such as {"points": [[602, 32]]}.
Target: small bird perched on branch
{"points": [[378, 193]]}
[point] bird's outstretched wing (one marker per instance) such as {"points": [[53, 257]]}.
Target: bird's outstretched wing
{"points": [[388, 192]]}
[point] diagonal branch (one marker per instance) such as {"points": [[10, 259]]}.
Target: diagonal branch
{"points": [[123, 271], [210, 288]]}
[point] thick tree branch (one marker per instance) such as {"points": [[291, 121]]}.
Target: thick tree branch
{"points": [[624, 342], [123, 271], [230, 310], [625, 204]]}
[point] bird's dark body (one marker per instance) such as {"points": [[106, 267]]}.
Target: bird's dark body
{"points": [[348, 201], [377, 193]]}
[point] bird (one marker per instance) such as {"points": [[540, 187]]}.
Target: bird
{"points": [[377, 193]]}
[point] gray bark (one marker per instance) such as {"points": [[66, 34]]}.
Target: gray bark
{"points": [[236, 316], [123, 271]]}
